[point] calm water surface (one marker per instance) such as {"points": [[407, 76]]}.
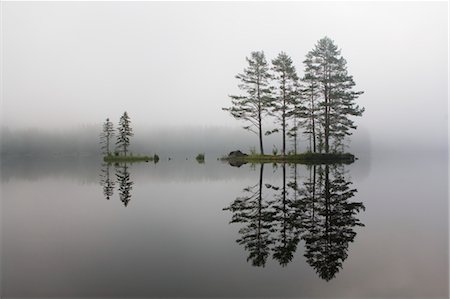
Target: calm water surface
{"points": [[78, 228]]}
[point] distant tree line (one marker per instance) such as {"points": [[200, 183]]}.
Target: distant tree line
{"points": [[321, 103], [124, 133]]}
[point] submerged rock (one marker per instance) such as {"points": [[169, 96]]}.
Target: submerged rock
{"points": [[235, 154]]}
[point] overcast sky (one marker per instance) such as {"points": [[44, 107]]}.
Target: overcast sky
{"points": [[70, 63]]}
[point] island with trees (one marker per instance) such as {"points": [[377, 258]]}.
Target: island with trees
{"points": [[321, 104], [124, 134]]}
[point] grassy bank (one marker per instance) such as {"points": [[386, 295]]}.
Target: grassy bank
{"points": [[123, 159], [303, 158]]}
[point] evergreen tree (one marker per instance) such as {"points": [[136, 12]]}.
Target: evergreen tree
{"points": [[286, 101], [124, 133], [106, 136], [326, 67], [310, 94], [252, 106]]}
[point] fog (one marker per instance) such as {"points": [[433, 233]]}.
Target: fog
{"points": [[66, 66]]}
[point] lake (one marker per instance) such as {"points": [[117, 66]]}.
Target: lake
{"points": [[75, 227]]}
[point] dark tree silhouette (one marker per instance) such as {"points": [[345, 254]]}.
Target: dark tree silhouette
{"points": [[125, 183], [329, 219], [254, 212], [285, 102], [253, 105], [327, 70], [106, 182], [124, 133], [106, 136], [310, 94]]}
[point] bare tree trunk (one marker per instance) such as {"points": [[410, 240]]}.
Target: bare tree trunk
{"points": [[284, 117], [327, 120], [313, 122]]}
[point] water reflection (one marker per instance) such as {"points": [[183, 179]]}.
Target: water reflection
{"points": [[106, 182], [318, 211], [122, 178], [257, 216]]}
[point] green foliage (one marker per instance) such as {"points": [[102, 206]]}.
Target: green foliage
{"points": [[274, 150], [303, 158], [200, 158], [120, 158]]}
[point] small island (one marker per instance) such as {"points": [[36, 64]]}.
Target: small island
{"points": [[130, 158], [124, 133], [322, 104], [239, 158]]}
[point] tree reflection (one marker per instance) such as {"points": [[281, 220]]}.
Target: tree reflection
{"points": [[106, 182], [286, 236], [122, 179], [125, 183], [329, 219], [319, 212], [255, 213]]}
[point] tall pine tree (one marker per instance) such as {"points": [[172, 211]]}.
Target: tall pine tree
{"points": [[326, 67], [284, 104], [124, 133], [253, 105], [106, 136], [310, 94]]}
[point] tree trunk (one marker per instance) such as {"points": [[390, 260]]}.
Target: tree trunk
{"points": [[327, 120], [284, 117], [261, 148], [313, 129]]}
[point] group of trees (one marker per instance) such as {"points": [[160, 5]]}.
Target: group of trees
{"points": [[124, 133], [318, 211], [322, 102]]}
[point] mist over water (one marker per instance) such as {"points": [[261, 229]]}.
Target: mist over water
{"points": [[74, 226]]}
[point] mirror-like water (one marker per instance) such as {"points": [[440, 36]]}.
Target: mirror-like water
{"points": [[79, 228]]}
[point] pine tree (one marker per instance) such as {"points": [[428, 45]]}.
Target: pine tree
{"points": [[253, 105], [283, 106], [124, 133], [326, 67], [310, 94], [106, 136]]}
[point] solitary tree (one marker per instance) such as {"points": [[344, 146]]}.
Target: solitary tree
{"points": [[124, 133], [283, 106], [106, 136], [326, 67], [253, 105]]}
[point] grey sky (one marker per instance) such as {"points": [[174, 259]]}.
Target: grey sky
{"points": [[71, 63]]}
